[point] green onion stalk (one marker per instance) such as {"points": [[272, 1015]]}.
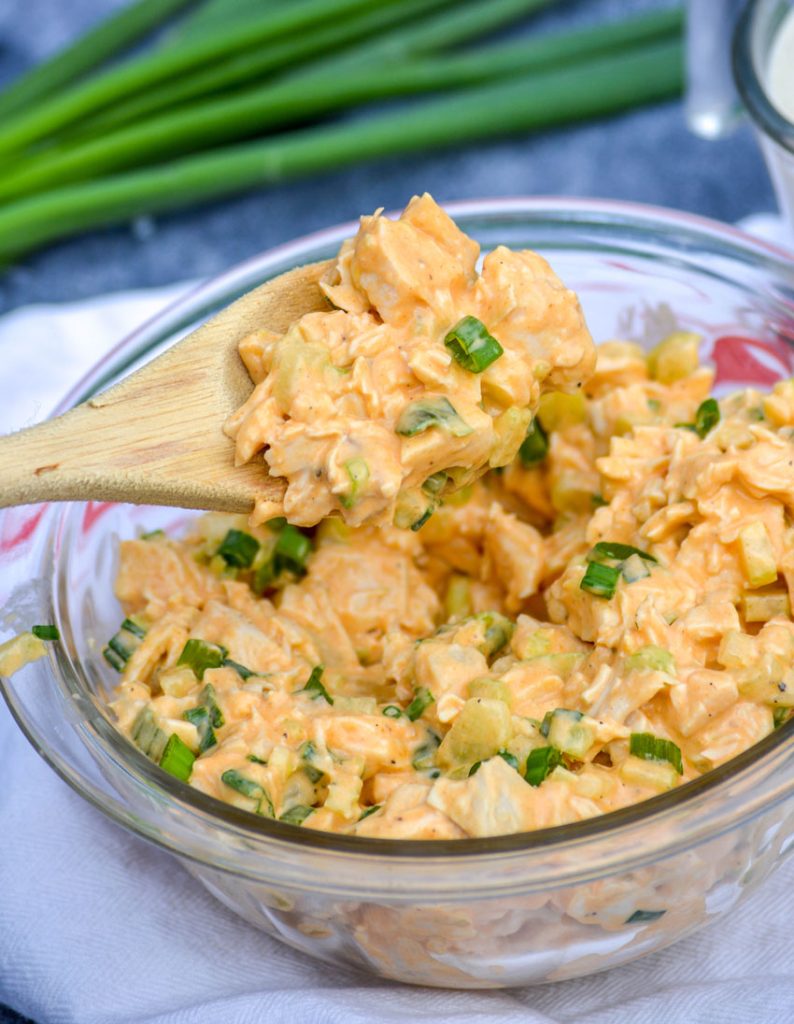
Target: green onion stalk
{"points": [[111, 36], [265, 107], [526, 103], [39, 121]]}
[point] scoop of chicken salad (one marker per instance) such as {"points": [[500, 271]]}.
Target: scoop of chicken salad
{"points": [[422, 374]]}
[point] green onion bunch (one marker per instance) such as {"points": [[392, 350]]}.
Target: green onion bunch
{"points": [[238, 94]]}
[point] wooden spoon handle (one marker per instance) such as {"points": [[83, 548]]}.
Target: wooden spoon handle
{"points": [[87, 454], [157, 436]]}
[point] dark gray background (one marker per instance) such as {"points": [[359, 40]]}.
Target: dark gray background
{"points": [[647, 156]]}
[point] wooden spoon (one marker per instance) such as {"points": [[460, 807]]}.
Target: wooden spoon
{"points": [[157, 437]]}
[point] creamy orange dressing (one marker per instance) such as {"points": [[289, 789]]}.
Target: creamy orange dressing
{"points": [[473, 682], [331, 392]]}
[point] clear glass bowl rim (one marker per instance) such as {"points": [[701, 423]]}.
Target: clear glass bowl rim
{"points": [[765, 759]]}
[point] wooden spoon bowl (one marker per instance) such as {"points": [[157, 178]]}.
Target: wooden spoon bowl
{"points": [[157, 438]]}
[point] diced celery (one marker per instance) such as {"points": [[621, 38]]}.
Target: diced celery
{"points": [[649, 774], [634, 568], [177, 681], [410, 508], [20, 651], [757, 555], [770, 688], [148, 735], [491, 689], [510, 430], [674, 358], [356, 705], [569, 493], [482, 728], [498, 632], [562, 663], [652, 658], [567, 731], [533, 644], [557, 410], [737, 650], [358, 474], [298, 790], [763, 607], [457, 600]]}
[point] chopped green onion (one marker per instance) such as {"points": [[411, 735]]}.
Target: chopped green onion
{"points": [[238, 549], [308, 751], [780, 716], [598, 501], [634, 568], [238, 782], [472, 345], [123, 644], [685, 426], [511, 759], [651, 657], [202, 719], [370, 810], [541, 763], [498, 632], [177, 758], [147, 734], [654, 748], [545, 725], [153, 535], [423, 698], [424, 758], [200, 655], [358, 471], [113, 659], [535, 446], [641, 916], [46, 632], [241, 670], [707, 417], [613, 549], [314, 686], [210, 700], [436, 411], [435, 484], [600, 580], [292, 549], [420, 522], [474, 768], [289, 554], [313, 774], [206, 716], [296, 815], [131, 626], [255, 759], [392, 711]]}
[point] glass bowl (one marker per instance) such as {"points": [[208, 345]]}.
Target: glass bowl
{"points": [[511, 910]]}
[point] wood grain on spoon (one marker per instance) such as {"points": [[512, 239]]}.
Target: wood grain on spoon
{"points": [[157, 437]]}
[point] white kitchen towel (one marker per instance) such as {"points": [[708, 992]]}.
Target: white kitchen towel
{"points": [[98, 927]]}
